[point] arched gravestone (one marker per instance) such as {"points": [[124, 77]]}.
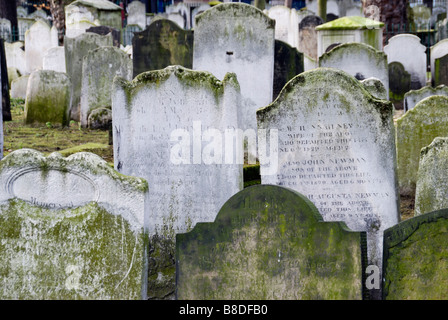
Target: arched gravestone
{"points": [[441, 71], [162, 44], [270, 243], [399, 83], [71, 229], [415, 258], [308, 35], [437, 51], [413, 97]]}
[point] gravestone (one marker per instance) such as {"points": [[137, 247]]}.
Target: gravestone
{"points": [[407, 49], [103, 30], [162, 44], [286, 22], [400, 82], [137, 14], [415, 258], [37, 41], [336, 145], [270, 243], [6, 101], [441, 71], [5, 29], [99, 68], [196, 11], [15, 56], [75, 50], [100, 12], [359, 60], [288, 63], [128, 33], [238, 38], [18, 87], [376, 88], [415, 130], [47, 97], [308, 35], [413, 97], [23, 24], [154, 116], [431, 189], [54, 59], [77, 234], [437, 51]]}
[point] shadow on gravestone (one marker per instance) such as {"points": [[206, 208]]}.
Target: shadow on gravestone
{"points": [[270, 243], [103, 30], [416, 258], [6, 102], [441, 71], [399, 84], [163, 43]]}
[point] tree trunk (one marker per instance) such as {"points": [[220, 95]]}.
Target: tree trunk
{"points": [[58, 15], [8, 10], [322, 9], [288, 4]]}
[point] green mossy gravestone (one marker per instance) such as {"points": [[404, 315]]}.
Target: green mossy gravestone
{"points": [[269, 242], [415, 130], [163, 43], [399, 83], [47, 97], [416, 258], [413, 97], [71, 229], [441, 71]]}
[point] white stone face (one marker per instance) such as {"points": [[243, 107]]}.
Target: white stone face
{"points": [[177, 18], [77, 20], [165, 125], [407, 49], [413, 97], [54, 59], [359, 60], [286, 24], [23, 25], [15, 56], [18, 87], [37, 41], [238, 38], [439, 50], [197, 11], [336, 145], [137, 14]]}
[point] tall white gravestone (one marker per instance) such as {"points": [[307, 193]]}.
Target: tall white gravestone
{"points": [[37, 41]]}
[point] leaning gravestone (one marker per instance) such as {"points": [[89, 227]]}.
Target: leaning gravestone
{"points": [[47, 97], [399, 83], [270, 243], [99, 68], [288, 63], [441, 71], [336, 145], [415, 130], [6, 101], [162, 44], [437, 51], [75, 50], [238, 38], [359, 60], [103, 31], [308, 35], [415, 258], [431, 190], [78, 233], [37, 41], [413, 97], [154, 118]]}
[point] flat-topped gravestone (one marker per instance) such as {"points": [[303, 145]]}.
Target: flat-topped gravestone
{"points": [[287, 64], [400, 82], [408, 50], [99, 68], [415, 130], [162, 44], [75, 50], [431, 189], [437, 51], [37, 41], [47, 97], [359, 60], [54, 59], [441, 71], [308, 35], [336, 145], [103, 30], [78, 233], [170, 127], [413, 97], [238, 38], [270, 243], [415, 258]]}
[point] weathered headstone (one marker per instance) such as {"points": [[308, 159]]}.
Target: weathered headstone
{"points": [[102, 12], [47, 97], [286, 22], [407, 49], [413, 97], [415, 258], [336, 145], [78, 233], [37, 41], [162, 44], [358, 59], [238, 38], [137, 14], [5, 29], [308, 35], [431, 190], [441, 71], [99, 68], [18, 87], [437, 51], [415, 130], [6, 102], [1, 115], [376, 88], [103, 30], [15, 56], [54, 59], [288, 63], [154, 117], [400, 82], [196, 11], [270, 243], [75, 50]]}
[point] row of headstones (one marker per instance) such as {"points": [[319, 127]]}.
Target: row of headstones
{"points": [[85, 231], [24, 22]]}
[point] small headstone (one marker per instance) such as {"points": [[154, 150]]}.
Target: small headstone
{"points": [[18, 87], [54, 59], [415, 258], [103, 30], [287, 64], [100, 119], [99, 68], [270, 243], [78, 233], [415, 130], [441, 71], [162, 44], [400, 82], [413, 97], [6, 102], [47, 97], [37, 41], [102, 12], [308, 35], [437, 51], [13, 74], [15, 56], [376, 88], [137, 14]]}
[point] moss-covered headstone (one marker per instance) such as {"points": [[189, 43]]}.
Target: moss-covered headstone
{"points": [[441, 71], [269, 242], [413, 97], [416, 129], [47, 97], [103, 30], [399, 83], [163, 43], [70, 228], [416, 258], [437, 51]]}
